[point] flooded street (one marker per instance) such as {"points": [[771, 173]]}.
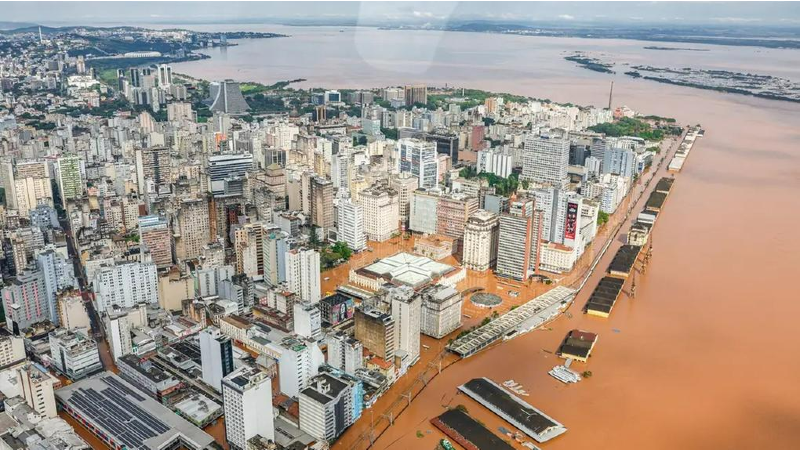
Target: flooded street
{"points": [[703, 356]]}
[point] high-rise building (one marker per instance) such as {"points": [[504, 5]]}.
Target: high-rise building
{"points": [[247, 402], [307, 319], [274, 249], [118, 324], [453, 212], [420, 159], [345, 353], [25, 300], [514, 239], [156, 235], [248, 247], [424, 212], [36, 386], [226, 96], [31, 192], [153, 164], [416, 94], [70, 180], [545, 160], [12, 348], [329, 405], [194, 228], [350, 225], [406, 313], [302, 274], [441, 310], [58, 273], [619, 161], [224, 170], [72, 313], [125, 284], [405, 184], [321, 200], [298, 363], [164, 75], [495, 161], [480, 241], [376, 330], [216, 355], [74, 354], [381, 212]]}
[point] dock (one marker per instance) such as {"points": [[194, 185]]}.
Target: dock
{"points": [[623, 261], [534, 423], [577, 345], [676, 164], [468, 432]]}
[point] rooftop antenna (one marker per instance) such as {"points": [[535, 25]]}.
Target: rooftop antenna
{"points": [[610, 95]]}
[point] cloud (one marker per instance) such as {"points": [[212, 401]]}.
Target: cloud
{"points": [[566, 17]]}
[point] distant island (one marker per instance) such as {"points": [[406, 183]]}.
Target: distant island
{"points": [[677, 49], [590, 63]]}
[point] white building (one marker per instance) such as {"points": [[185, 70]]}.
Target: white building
{"points": [[125, 284], [419, 158], [307, 320], [74, 354], [216, 355], [345, 353], [480, 241], [299, 361], [302, 274], [350, 225], [119, 324], [247, 402], [406, 312], [328, 406], [381, 212], [58, 273], [545, 160], [495, 161], [441, 310], [12, 348]]}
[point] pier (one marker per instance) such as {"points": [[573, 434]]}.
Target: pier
{"points": [[468, 432], [604, 297]]}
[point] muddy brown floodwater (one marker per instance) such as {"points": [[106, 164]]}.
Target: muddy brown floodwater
{"points": [[705, 353]]}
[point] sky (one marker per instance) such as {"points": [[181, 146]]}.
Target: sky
{"points": [[97, 13]]}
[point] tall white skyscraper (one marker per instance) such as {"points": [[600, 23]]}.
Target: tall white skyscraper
{"points": [[345, 353], [247, 402], [419, 158], [350, 225], [302, 274], [545, 160], [58, 274], [406, 312], [216, 355]]}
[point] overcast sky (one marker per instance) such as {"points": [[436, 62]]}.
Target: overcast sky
{"points": [[752, 13]]}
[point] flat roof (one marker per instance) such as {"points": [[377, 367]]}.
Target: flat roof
{"points": [[128, 416], [467, 431], [624, 259], [511, 408], [605, 295], [408, 269]]}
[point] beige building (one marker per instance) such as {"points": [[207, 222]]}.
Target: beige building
{"points": [[381, 212], [405, 184], [194, 228], [247, 244], [453, 212], [36, 387], [71, 310], [376, 330], [12, 348], [480, 241]]}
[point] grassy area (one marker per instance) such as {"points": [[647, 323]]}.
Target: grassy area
{"points": [[628, 126]]}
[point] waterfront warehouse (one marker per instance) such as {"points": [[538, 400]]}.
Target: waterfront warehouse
{"points": [[604, 296], [577, 345], [468, 432]]}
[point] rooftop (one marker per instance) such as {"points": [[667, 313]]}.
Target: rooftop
{"points": [[405, 268]]}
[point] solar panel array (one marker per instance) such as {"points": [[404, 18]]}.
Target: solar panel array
{"points": [[110, 408]]}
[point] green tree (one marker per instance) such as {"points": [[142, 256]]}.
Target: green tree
{"points": [[602, 218]]}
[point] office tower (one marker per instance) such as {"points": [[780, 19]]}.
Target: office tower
{"points": [[424, 212], [36, 386], [480, 241], [274, 254], [153, 164], [216, 355], [164, 75], [302, 274], [545, 160], [225, 170], [74, 354], [345, 353], [619, 161], [420, 159], [329, 405], [12, 348], [453, 212], [25, 300], [514, 239], [125, 285], [350, 225], [446, 144], [247, 402], [416, 94], [376, 330], [381, 212], [156, 235], [194, 228], [332, 97], [298, 363], [322, 203], [406, 313], [226, 96], [118, 324], [559, 209], [248, 247], [70, 180], [58, 273], [405, 184]]}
